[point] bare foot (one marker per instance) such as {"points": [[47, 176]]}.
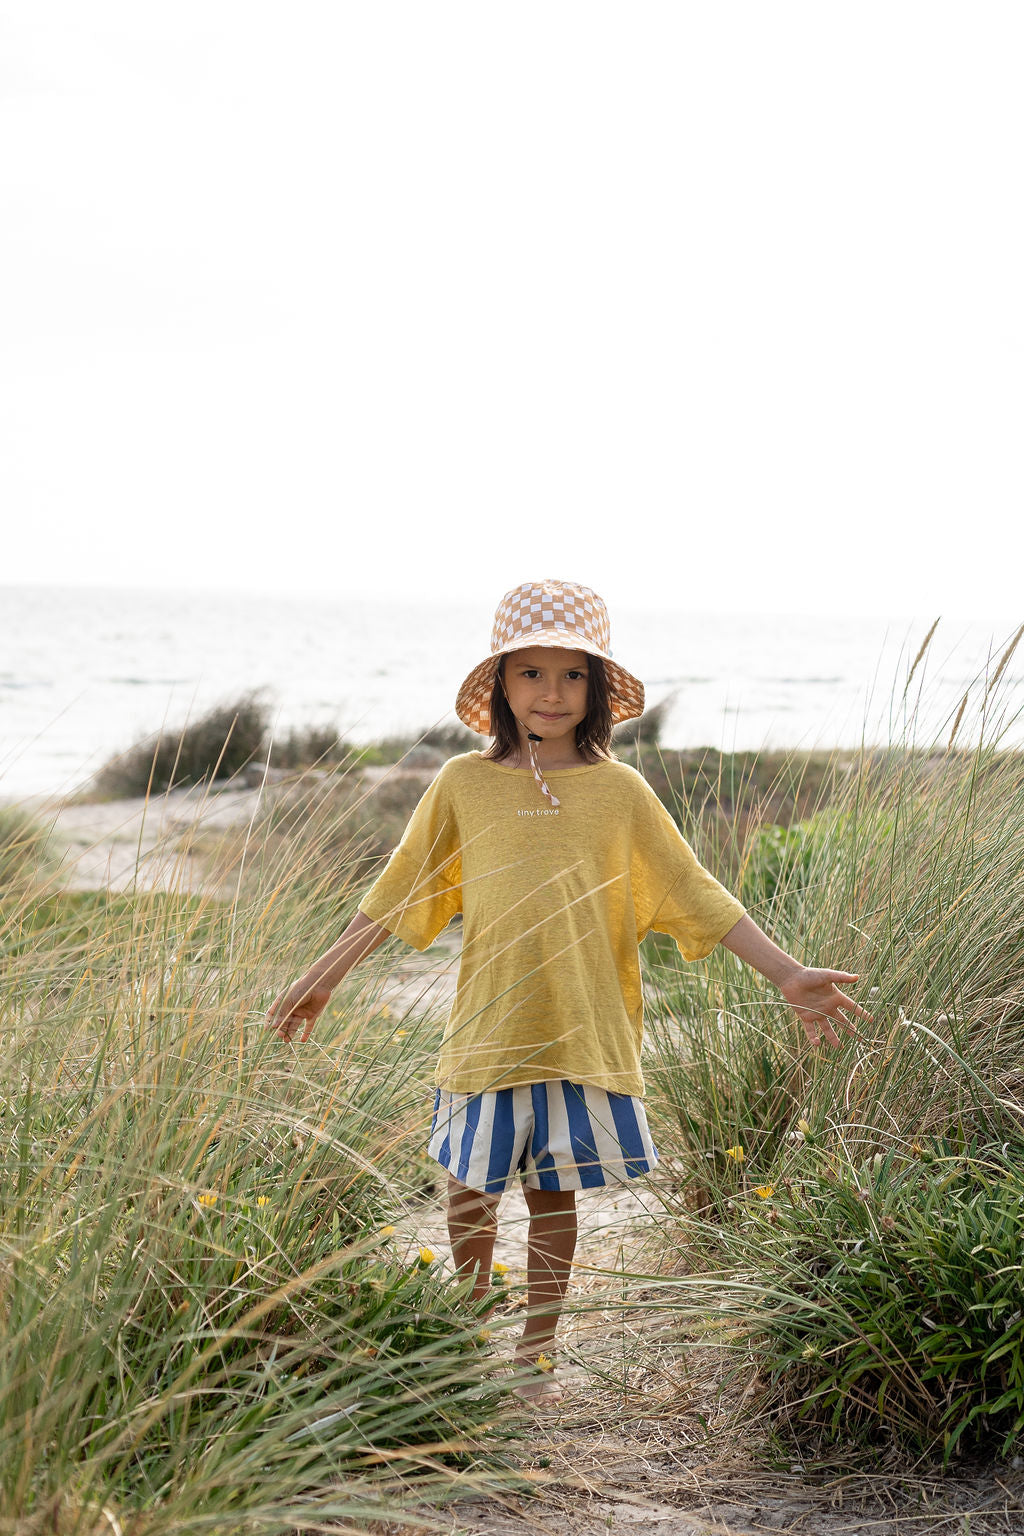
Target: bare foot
{"points": [[535, 1384]]}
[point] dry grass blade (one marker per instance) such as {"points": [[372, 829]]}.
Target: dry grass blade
{"points": [[958, 719], [925, 643], [1004, 661]]}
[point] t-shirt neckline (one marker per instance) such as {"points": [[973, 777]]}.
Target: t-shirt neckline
{"points": [[553, 773]]}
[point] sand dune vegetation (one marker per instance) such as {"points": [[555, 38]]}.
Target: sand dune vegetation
{"points": [[224, 1298]]}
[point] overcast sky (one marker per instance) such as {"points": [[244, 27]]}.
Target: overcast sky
{"points": [[709, 305]]}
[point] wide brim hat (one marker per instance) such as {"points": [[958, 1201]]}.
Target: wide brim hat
{"points": [[558, 614]]}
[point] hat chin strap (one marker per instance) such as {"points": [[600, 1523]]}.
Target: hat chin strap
{"points": [[532, 738]]}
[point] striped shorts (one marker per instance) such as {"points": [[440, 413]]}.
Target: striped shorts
{"points": [[555, 1135]]}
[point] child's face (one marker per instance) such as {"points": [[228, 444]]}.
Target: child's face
{"points": [[547, 690]]}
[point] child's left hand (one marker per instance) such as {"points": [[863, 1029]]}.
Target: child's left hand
{"points": [[816, 999]]}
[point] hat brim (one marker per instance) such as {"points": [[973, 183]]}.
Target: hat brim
{"points": [[473, 703]]}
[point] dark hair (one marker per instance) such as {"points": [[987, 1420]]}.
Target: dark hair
{"points": [[593, 734]]}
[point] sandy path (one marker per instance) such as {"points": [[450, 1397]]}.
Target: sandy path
{"points": [[143, 843]]}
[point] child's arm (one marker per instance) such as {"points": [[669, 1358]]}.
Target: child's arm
{"points": [[811, 992], [306, 999]]}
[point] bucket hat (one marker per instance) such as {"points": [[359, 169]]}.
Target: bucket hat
{"points": [[553, 613]]}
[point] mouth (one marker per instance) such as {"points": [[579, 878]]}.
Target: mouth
{"points": [[550, 719]]}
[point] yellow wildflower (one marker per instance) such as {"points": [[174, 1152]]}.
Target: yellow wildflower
{"points": [[386, 1232], [764, 1191], [499, 1268], [262, 1200], [208, 1198], [426, 1256], [545, 1363], [483, 1336], [400, 1034], [804, 1126], [736, 1153]]}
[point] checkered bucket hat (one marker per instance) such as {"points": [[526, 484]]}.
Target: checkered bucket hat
{"points": [[558, 614]]}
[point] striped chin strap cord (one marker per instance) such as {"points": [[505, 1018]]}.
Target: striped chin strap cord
{"points": [[533, 740]]}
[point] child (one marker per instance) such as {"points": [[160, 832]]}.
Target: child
{"points": [[560, 860]]}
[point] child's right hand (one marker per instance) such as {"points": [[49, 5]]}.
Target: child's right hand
{"points": [[298, 1008]]}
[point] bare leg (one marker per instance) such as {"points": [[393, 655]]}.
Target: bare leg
{"points": [[472, 1227], [552, 1243]]}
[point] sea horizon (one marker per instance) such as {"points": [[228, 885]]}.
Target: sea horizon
{"points": [[86, 671]]}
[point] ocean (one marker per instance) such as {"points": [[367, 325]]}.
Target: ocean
{"points": [[84, 672]]}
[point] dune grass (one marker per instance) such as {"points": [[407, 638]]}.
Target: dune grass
{"points": [[819, 1184], [206, 1321]]}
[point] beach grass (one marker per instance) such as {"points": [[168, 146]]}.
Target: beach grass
{"points": [[857, 1205], [208, 1322]]}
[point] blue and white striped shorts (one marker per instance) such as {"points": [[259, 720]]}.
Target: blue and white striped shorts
{"points": [[555, 1135]]}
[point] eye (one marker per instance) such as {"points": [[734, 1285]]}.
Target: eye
{"points": [[575, 676], [531, 672]]}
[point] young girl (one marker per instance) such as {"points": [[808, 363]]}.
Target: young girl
{"points": [[560, 860]]}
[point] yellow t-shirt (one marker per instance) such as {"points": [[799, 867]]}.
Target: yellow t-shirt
{"points": [[554, 905]]}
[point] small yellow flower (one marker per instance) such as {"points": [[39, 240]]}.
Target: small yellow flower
{"points": [[386, 1232], [483, 1337], [385, 1011], [208, 1198], [499, 1269], [736, 1153], [262, 1200], [426, 1256], [400, 1034], [764, 1191], [804, 1126], [545, 1363], [917, 1149]]}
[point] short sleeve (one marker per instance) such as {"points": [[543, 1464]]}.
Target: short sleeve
{"points": [[420, 888], [673, 892]]}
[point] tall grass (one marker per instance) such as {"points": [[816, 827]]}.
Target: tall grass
{"points": [[205, 1322], [909, 874], [26, 859]]}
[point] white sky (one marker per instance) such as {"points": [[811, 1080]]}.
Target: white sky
{"points": [[709, 305]]}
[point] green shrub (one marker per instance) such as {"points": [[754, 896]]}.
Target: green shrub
{"points": [[217, 745], [893, 1297], [440, 741], [311, 746], [647, 728]]}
